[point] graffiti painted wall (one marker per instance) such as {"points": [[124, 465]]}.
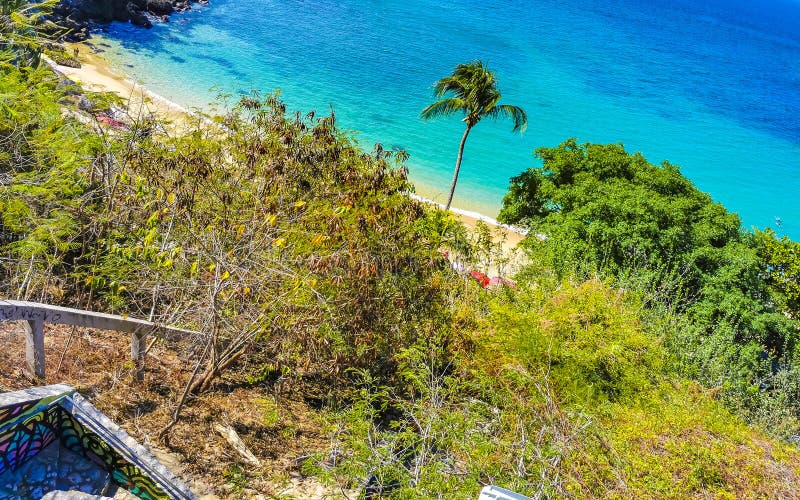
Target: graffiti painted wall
{"points": [[27, 427], [76, 438]]}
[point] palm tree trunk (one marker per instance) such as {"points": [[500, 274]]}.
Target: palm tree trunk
{"points": [[458, 168]]}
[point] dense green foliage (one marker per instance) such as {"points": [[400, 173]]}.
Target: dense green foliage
{"points": [[614, 211], [43, 202], [303, 265], [779, 260], [22, 28], [473, 92], [564, 393], [610, 213]]}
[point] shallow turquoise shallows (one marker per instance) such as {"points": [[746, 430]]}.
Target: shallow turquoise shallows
{"points": [[713, 86]]}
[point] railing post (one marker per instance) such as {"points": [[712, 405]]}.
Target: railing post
{"points": [[34, 347], [138, 349]]}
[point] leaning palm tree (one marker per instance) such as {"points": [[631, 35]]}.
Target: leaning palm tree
{"points": [[475, 94]]}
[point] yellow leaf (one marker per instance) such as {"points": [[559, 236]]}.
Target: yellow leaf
{"points": [[272, 218], [279, 242], [246, 290], [299, 204], [171, 198], [193, 270], [153, 218], [211, 267], [225, 276], [150, 238]]}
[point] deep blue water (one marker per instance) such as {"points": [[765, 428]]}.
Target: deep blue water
{"points": [[713, 86]]}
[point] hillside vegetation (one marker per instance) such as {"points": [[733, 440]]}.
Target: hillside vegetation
{"points": [[730, 295], [647, 332]]}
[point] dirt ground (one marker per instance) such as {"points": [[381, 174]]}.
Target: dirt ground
{"points": [[278, 430]]}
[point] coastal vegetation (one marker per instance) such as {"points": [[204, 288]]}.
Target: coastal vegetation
{"points": [[729, 293], [475, 94], [21, 31], [647, 349]]}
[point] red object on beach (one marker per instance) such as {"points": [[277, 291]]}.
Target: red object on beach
{"points": [[480, 278], [497, 281], [487, 282], [107, 120]]}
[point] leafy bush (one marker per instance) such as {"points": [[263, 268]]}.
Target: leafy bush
{"points": [[45, 184], [565, 392], [779, 260], [609, 213]]}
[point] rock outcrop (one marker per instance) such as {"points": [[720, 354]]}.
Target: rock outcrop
{"points": [[75, 16]]}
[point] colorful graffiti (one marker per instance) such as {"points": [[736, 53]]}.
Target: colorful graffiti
{"points": [[27, 427], [76, 438], [26, 439], [10, 413]]}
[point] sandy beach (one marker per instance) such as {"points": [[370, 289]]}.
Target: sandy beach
{"points": [[95, 74]]}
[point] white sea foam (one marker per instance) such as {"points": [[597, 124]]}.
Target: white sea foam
{"points": [[169, 103], [472, 215]]}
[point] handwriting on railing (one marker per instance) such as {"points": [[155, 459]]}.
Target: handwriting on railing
{"points": [[22, 313]]}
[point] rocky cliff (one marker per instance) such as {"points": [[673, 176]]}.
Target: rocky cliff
{"points": [[76, 15]]}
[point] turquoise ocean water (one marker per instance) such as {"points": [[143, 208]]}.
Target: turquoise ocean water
{"points": [[711, 85]]}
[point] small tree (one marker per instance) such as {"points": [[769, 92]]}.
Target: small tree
{"points": [[475, 94]]}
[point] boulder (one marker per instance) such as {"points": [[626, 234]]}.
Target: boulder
{"points": [[160, 7], [75, 15], [137, 17]]}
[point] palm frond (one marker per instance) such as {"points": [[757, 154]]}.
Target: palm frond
{"points": [[475, 72], [486, 101], [444, 107], [515, 113], [449, 84], [474, 92]]}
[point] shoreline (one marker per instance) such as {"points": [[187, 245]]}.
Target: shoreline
{"points": [[97, 74]]}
